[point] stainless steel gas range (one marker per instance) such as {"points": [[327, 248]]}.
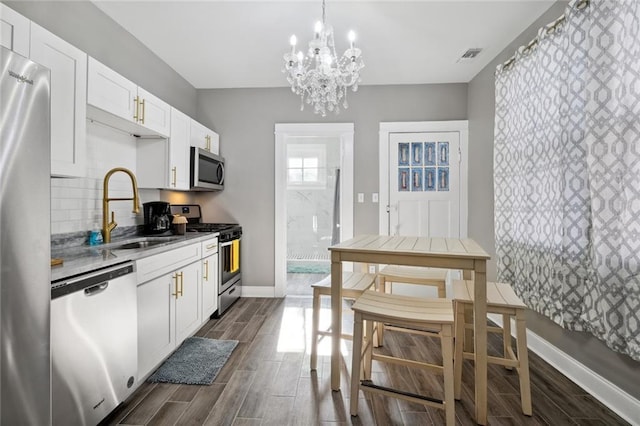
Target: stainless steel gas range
{"points": [[229, 249]]}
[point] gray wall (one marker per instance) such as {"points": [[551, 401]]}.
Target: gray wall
{"points": [[85, 26], [245, 120], [619, 369]]}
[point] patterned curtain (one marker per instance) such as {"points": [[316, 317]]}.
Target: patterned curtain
{"points": [[567, 172]]}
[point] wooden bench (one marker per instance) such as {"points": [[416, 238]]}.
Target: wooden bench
{"points": [[432, 317], [353, 285], [501, 299]]}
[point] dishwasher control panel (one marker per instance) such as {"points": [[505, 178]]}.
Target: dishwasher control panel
{"points": [[97, 277]]}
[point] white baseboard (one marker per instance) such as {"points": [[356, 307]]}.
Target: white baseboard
{"points": [[255, 291], [616, 399]]}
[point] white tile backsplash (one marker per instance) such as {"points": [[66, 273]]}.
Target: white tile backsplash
{"points": [[76, 203]]}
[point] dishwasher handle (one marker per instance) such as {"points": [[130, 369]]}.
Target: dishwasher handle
{"points": [[91, 291]]}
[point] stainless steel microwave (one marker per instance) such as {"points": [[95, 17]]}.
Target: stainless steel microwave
{"points": [[207, 170]]}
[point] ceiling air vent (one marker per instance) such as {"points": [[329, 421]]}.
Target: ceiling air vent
{"points": [[470, 54]]}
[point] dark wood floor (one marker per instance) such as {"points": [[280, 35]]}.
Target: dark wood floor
{"points": [[267, 381]]}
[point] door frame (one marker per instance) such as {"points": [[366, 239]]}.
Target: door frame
{"points": [[460, 126], [283, 131]]}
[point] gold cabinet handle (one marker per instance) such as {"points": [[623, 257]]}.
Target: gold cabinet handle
{"points": [[211, 246], [136, 106], [176, 294], [143, 114], [206, 270], [174, 173], [181, 283], [208, 142]]}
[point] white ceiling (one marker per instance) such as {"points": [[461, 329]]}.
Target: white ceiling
{"points": [[236, 43]]}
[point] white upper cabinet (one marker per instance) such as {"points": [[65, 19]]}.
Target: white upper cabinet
{"points": [[162, 163], [120, 103], [204, 138], [153, 113], [110, 91], [68, 67], [179, 150], [14, 31]]}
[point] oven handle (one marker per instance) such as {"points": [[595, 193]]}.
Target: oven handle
{"points": [[228, 243]]}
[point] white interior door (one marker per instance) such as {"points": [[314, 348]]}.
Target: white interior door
{"points": [[424, 184]]}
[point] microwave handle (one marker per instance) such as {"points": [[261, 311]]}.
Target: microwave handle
{"points": [[220, 173]]}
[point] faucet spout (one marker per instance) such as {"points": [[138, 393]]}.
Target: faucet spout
{"points": [[108, 226]]}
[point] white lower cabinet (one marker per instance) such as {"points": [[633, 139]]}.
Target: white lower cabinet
{"points": [[210, 278], [209, 286], [187, 301], [169, 305]]}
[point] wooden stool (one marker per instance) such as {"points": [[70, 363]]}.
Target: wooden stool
{"points": [[431, 317], [414, 275], [353, 285], [501, 299]]}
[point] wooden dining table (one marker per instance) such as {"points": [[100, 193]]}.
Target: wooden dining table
{"points": [[449, 253]]}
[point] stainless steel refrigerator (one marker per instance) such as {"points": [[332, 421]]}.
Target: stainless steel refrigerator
{"points": [[25, 253]]}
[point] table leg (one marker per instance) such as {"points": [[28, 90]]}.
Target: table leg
{"points": [[480, 339], [336, 319]]}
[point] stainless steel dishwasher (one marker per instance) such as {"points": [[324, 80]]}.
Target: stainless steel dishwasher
{"points": [[94, 344]]}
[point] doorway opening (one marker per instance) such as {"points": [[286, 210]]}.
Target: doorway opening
{"points": [[314, 201]]}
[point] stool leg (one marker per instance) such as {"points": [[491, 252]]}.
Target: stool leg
{"points": [[523, 362], [468, 333], [367, 360], [459, 334], [506, 337], [315, 325], [356, 359], [442, 291], [447, 364], [380, 327]]}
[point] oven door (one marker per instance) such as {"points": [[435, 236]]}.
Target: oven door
{"points": [[229, 253]]}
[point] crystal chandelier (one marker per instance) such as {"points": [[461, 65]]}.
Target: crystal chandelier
{"points": [[320, 78]]}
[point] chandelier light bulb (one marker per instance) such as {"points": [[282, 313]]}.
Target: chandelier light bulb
{"points": [[318, 29], [293, 40], [352, 37], [300, 56]]}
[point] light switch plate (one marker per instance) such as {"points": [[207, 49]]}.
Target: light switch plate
{"points": [[374, 197], [361, 197]]}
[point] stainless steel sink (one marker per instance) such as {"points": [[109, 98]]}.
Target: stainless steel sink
{"points": [[139, 244]]}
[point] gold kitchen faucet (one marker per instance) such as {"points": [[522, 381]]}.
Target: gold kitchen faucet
{"points": [[107, 226]]}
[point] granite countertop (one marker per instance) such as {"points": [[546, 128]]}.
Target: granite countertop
{"points": [[82, 259]]}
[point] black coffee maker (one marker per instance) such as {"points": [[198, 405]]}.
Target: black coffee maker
{"points": [[157, 217]]}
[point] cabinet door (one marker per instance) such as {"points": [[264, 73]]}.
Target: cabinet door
{"points": [[214, 143], [179, 151], [110, 91], [14, 31], [156, 326], [68, 67], [209, 286], [154, 113], [198, 135], [188, 301], [204, 138]]}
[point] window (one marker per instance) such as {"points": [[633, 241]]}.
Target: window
{"points": [[306, 166]]}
